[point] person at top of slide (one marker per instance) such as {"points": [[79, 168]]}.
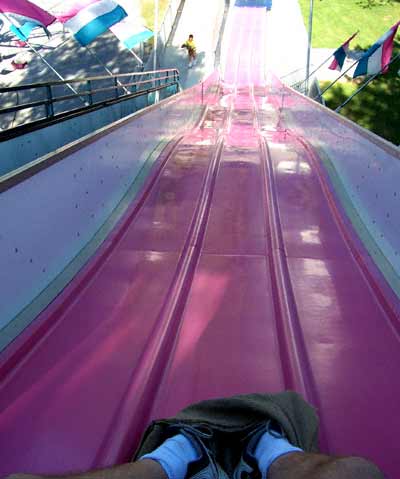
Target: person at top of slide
{"points": [[191, 48]]}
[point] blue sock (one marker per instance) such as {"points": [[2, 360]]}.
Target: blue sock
{"points": [[174, 455], [269, 448]]}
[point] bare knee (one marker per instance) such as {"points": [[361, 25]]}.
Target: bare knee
{"points": [[319, 466], [351, 468]]}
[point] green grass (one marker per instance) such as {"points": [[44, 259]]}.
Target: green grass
{"points": [[335, 20], [377, 107], [147, 7]]}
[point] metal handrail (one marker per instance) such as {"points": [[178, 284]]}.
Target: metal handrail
{"points": [[25, 106], [29, 86], [159, 80]]}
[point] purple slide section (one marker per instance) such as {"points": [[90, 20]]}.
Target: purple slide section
{"points": [[364, 169], [232, 272]]}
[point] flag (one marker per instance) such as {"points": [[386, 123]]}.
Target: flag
{"points": [[131, 32], [24, 16], [87, 19], [376, 58], [340, 54]]}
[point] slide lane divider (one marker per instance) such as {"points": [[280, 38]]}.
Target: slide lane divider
{"points": [[295, 363], [17, 353], [136, 404], [290, 338], [354, 244], [296, 366]]}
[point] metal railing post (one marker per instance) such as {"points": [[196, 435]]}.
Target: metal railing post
{"points": [[49, 104], [89, 85], [116, 87]]}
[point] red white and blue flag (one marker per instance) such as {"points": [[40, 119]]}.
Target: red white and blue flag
{"points": [[377, 58], [87, 19], [23, 16], [340, 55]]}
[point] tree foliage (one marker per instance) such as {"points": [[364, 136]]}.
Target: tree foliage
{"points": [[376, 3]]}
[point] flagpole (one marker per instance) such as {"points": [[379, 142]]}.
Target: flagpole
{"points": [[337, 79], [96, 57], [137, 58], [291, 73], [50, 66], [56, 72], [310, 22], [323, 63], [155, 34], [156, 9], [312, 73], [366, 83], [42, 57]]}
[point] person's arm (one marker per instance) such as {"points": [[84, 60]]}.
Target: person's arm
{"points": [[319, 466], [145, 469], [170, 460]]}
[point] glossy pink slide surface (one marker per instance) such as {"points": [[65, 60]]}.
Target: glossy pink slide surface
{"points": [[233, 271]]}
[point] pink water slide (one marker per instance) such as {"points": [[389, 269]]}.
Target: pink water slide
{"points": [[235, 270]]}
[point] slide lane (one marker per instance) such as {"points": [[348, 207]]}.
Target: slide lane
{"points": [[232, 275], [350, 346], [70, 388], [345, 310], [231, 340], [228, 342]]}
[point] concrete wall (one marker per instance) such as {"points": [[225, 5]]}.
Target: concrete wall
{"points": [[23, 149]]}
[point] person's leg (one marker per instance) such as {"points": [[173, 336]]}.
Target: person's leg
{"points": [[169, 461], [319, 466], [146, 469], [269, 451]]}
